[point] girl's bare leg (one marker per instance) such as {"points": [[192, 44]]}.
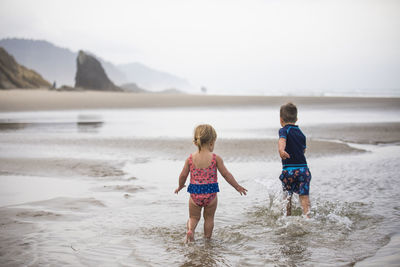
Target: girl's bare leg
{"points": [[208, 215], [305, 204], [194, 217]]}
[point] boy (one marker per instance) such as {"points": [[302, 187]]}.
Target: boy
{"points": [[295, 175]]}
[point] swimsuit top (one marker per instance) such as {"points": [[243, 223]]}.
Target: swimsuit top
{"points": [[203, 180]]}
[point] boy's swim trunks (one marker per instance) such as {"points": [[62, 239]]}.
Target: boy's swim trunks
{"points": [[296, 181]]}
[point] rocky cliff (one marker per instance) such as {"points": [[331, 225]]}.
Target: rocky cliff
{"points": [[13, 75], [91, 75], [60, 66]]}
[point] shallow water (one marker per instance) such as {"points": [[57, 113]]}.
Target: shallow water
{"points": [[239, 122], [124, 212]]}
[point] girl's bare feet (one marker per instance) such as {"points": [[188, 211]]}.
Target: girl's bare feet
{"points": [[189, 236]]}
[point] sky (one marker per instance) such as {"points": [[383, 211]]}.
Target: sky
{"points": [[237, 47]]}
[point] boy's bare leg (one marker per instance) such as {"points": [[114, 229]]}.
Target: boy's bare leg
{"points": [[194, 217], [208, 215], [289, 205], [305, 204]]}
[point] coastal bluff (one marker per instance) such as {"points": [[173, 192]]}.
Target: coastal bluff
{"points": [[91, 75], [14, 75]]}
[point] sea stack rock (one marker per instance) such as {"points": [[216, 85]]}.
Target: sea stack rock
{"points": [[13, 75], [91, 75]]}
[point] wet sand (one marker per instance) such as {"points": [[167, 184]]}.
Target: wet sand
{"points": [[105, 213], [104, 200], [361, 133], [232, 150]]}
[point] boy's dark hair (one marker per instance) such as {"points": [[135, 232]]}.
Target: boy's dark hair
{"points": [[288, 112]]}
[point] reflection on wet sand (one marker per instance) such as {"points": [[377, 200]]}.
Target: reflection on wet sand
{"points": [[83, 124], [13, 126], [89, 123], [89, 127]]}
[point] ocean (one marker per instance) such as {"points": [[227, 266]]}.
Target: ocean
{"points": [[95, 187]]}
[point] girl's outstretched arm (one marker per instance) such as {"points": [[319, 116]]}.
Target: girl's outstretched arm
{"points": [[183, 176], [229, 177]]}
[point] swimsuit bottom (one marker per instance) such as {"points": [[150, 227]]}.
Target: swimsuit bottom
{"points": [[296, 181], [203, 200]]}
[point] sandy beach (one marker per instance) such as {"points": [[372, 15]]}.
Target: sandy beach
{"points": [[87, 178], [38, 99]]}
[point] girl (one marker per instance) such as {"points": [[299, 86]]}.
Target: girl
{"points": [[203, 186]]}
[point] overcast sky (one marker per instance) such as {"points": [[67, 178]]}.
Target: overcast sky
{"points": [[253, 46]]}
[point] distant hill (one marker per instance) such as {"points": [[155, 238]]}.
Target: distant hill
{"points": [[152, 79], [54, 63], [59, 64], [133, 88], [14, 75]]}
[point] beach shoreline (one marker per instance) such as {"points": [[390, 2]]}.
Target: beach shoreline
{"points": [[45, 100]]}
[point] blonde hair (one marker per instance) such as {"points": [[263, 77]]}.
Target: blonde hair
{"points": [[204, 134]]}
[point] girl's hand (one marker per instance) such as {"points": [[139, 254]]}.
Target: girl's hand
{"points": [[179, 189], [241, 190]]}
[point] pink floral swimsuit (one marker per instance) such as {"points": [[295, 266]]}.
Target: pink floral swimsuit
{"points": [[203, 185]]}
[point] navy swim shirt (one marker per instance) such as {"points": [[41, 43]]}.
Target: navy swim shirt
{"points": [[295, 146]]}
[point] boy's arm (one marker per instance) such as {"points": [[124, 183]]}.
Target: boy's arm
{"points": [[281, 148], [183, 176], [228, 176]]}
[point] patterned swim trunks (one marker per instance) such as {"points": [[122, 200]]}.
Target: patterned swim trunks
{"points": [[296, 181]]}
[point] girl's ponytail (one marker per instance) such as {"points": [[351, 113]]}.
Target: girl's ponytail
{"points": [[204, 134]]}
